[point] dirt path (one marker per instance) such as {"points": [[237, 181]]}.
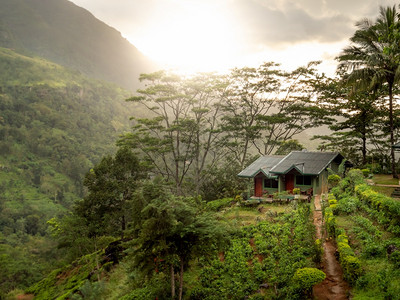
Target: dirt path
{"points": [[333, 287]]}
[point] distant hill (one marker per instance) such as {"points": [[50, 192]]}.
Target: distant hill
{"points": [[55, 124], [55, 121], [69, 35]]}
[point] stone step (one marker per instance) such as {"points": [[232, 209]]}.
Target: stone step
{"points": [[396, 193]]}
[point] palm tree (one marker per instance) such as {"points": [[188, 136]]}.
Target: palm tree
{"points": [[372, 61]]}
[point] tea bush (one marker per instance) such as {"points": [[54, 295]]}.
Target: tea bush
{"points": [[306, 278], [348, 205], [333, 180], [350, 263]]}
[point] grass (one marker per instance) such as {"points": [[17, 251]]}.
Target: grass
{"points": [[385, 179], [387, 191], [117, 283], [381, 279], [250, 215], [378, 272], [347, 224]]}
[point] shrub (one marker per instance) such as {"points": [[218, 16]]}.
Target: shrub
{"points": [[351, 268], [381, 203], [342, 189], [351, 265], [348, 204], [333, 180], [332, 201], [356, 177], [318, 250], [395, 258], [373, 249], [334, 209], [366, 172], [330, 221], [306, 278], [216, 205]]}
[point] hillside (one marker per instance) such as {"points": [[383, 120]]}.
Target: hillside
{"points": [[55, 124], [66, 34]]}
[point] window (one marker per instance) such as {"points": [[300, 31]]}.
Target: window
{"points": [[303, 180], [270, 183]]}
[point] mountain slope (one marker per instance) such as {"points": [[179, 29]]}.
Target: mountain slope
{"points": [[64, 33], [55, 124]]}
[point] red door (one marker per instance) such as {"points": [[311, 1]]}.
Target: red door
{"points": [[258, 187], [289, 182]]}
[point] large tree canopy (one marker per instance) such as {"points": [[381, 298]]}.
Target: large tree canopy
{"points": [[372, 61], [355, 119], [179, 136], [170, 231], [266, 107], [201, 122], [110, 184]]}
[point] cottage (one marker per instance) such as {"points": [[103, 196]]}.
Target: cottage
{"points": [[305, 170]]}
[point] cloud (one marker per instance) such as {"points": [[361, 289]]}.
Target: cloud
{"points": [[263, 22], [282, 23], [295, 29]]}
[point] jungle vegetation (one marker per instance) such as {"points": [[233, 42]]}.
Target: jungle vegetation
{"points": [[106, 198]]}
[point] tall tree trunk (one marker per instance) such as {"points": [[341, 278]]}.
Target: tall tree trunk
{"points": [[364, 142], [181, 280], [392, 141], [172, 281], [364, 150]]}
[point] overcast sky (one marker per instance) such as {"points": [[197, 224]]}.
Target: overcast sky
{"points": [[212, 35]]}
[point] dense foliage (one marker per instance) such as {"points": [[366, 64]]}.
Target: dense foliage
{"points": [[161, 217], [370, 66], [365, 224], [54, 125], [266, 254], [205, 125]]}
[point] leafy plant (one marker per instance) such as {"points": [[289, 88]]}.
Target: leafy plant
{"points": [[306, 278], [333, 180], [216, 205]]}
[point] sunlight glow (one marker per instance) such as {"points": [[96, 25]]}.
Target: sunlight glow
{"points": [[299, 55], [201, 36]]}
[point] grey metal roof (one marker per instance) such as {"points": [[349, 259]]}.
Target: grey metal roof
{"points": [[396, 146], [262, 164], [307, 163]]}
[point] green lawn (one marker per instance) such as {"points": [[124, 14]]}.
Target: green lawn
{"points": [[385, 179], [251, 215]]}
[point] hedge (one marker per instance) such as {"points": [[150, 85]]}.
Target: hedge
{"points": [[381, 203], [351, 265]]}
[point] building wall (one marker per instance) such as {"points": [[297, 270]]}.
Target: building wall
{"points": [[323, 182], [281, 184]]}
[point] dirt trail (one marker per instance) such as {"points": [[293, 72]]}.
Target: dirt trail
{"points": [[333, 287]]}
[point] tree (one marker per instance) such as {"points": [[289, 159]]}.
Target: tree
{"points": [[266, 106], [173, 230], [373, 59], [288, 146], [179, 137], [110, 185], [354, 114]]}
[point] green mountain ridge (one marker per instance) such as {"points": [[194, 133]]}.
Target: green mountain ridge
{"points": [[55, 124], [71, 36]]}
